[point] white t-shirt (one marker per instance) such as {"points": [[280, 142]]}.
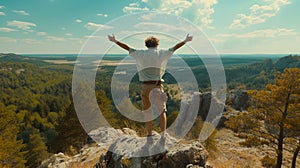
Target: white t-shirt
{"points": [[151, 63]]}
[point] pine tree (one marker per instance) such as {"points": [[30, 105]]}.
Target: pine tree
{"points": [[105, 106], [70, 135], [37, 150], [274, 114], [11, 154]]}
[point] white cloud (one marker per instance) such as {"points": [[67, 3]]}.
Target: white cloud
{"points": [[216, 40], [21, 25], [265, 33], [175, 6], [134, 4], [31, 41], [21, 12], [259, 13], [2, 14], [68, 34], [94, 37], [2, 7], [102, 14], [95, 26], [204, 13], [78, 20], [7, 40], [134, 7], [149, 16], [41, 33], [160, 26], [145, 1], [6, 29], [54, 38], [201, 10]]}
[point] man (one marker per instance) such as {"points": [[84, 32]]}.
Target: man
{"points": [[151, 64]]}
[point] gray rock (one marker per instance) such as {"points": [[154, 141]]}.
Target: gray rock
{"points": [[238, 99], [210, 108], [128, 131], [187, 115], [56, 161], [182, 155], [105, 135], [205, 100], [86, 155]]}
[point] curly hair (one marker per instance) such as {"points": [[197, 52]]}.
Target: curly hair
{"points": [[151, 42]]}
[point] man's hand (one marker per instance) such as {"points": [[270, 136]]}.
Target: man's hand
{"points": [[112, 38], [188, 38]]}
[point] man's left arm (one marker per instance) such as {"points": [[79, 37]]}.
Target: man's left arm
{"points": [[177, 46]]}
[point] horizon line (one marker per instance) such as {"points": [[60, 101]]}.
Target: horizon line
{"points": [[174, 54]]}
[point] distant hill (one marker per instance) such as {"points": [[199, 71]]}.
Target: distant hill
{"points": [[280, 64], [257, 75], [11, 57], [288, 62]]}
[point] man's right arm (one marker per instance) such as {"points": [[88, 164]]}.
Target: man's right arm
{"points": [[122, 45]]}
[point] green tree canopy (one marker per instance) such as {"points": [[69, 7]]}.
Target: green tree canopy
{"points": [[11, 154], [37, 150]]}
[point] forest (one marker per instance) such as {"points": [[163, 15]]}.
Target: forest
{"points": [[37, 115]]}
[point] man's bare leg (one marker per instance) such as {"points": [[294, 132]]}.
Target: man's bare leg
{"points": [[148, 125], [149, 128], [163, 125], [160, 107], [148, 116], [163, 122]]}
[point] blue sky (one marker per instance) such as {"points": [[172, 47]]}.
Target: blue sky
{"points": [[233, 26]]}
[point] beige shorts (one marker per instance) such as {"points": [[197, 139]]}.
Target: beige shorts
{"points": [[152, 93]]}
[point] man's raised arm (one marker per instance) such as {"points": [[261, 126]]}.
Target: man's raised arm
{"points": [[122, 45], [187, 39]]}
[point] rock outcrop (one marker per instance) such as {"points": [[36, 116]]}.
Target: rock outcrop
{"points": [[131, 151], [84, 158], [117, 148], [211, 109]]}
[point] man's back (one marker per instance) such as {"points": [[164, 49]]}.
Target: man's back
{"points": [[151, 63]]}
